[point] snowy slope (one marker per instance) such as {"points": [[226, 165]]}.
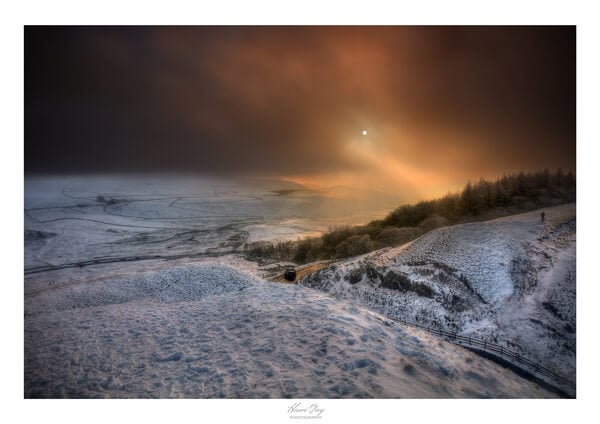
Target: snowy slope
{"points": [[510, 281], [212, 331]]}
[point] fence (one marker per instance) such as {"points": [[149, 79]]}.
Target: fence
{"points": [[504, 352], [496, 349]]}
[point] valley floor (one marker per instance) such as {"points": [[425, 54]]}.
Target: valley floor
{"points": [[139, 292]]}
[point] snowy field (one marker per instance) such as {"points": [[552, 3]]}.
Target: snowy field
{"points": [[510, 281], [72, 222], [212, 331]]}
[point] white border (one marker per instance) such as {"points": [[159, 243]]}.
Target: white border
{"points": [[15, 15]]}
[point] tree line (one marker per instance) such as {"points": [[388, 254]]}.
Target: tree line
{"points": [[482, 200]]}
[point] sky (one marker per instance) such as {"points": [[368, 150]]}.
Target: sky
{"points": [[440, 105]]}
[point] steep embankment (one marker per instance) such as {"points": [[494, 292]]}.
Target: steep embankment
{"points": [[212, 331], [510, 281]]}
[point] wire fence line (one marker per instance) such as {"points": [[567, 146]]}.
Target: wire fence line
{"points": [[503, 352], [489, 347]]}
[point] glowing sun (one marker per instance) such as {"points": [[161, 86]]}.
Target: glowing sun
{"points": [[364, 132]]}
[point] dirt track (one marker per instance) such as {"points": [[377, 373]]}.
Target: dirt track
{"points": [[301, 272]]}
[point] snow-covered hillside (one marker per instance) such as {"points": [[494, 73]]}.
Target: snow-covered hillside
{"points": [[213, 331], [124, 298], [510, 281]]}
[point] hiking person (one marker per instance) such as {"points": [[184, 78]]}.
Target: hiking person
{"points": [[543, 216]]}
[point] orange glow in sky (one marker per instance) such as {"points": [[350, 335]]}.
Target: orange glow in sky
{"points": [[413, 111]]}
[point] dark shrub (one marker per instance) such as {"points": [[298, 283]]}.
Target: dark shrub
{"points": [[422, 289], [353, 246], [395, 281], [308, 250], [373, 275], [432, 222], [354, 276], [391, 236]]}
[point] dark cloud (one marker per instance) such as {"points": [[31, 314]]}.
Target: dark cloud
{"points": [[456, 101]]}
